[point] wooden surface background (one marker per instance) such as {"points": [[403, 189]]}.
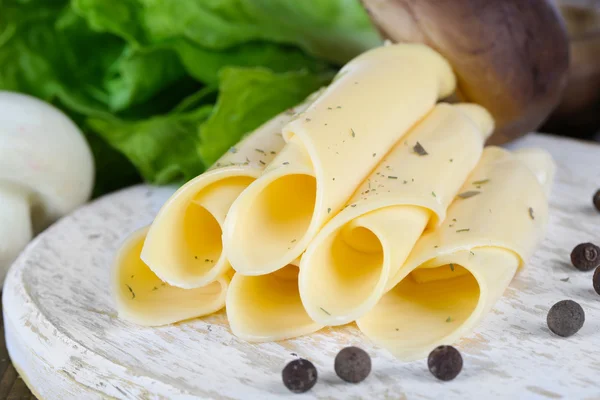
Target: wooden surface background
{"points": [[64, 334], [12, 387]]}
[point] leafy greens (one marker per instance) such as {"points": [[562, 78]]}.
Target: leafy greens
{"points": [[161, 88]]}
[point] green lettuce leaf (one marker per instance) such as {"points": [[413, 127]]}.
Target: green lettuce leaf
{"points": [[205, 64], [138, 75], [162, 148], [178, 146], [162, 88], [334, 30], [247, 99]]}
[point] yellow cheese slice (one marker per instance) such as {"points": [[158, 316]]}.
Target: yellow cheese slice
{"points": [[345, 269], [142, 298], [457, 272], [331, 148], [268, 307], [183, 246]]}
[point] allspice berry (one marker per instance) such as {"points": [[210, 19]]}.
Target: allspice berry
{"points": [[445, 363], [299, 375], [565, 318], [596, 280], [352, 364], [585, 256]]}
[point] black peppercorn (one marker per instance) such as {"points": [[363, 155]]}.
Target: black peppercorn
{"points": [[352, 364], [597, 200], [445, 363], [596, 280], [585, 256], [565, 318], [299, 375]]}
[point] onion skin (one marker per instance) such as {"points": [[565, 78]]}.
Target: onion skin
{"points": [[510, 56]]}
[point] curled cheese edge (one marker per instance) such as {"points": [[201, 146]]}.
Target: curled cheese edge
{"points": [[143, 298], [268, 307], [331, 148], [457, 272], [184, 246], [180, 291], [346, 268]]}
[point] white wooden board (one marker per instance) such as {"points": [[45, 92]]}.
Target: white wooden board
{"points": [[64, 337]]}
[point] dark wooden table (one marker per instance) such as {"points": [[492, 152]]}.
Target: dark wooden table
{"points": [[12, 387]]}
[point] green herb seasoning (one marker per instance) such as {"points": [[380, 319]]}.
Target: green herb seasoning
{"points": [[328, 210], [233, 150], [392, 177], [259, 151], [262, 162], [449, 319], [451, 160], [374, 154], [531, 213], [451, 267], [324, 310], [154, 289], [463, 230], [433, 194], [420, 150], [481, 182], [286, 163], [131, 291], [470, 193], [353, 133]]}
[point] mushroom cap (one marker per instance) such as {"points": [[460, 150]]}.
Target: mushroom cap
{"points": [[45, 153], [510, 56], [578, 113]]}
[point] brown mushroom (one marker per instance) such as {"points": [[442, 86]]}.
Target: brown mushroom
{"points": [[578, 113], [510, 56]]}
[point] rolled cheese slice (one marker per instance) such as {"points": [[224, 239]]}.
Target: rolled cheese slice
{"points": [[183, 246], [331, 148], [346, 268], [268, 307], [457, 272], [142, 298]]}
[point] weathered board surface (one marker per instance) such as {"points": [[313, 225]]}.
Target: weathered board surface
{"points": [[64, 337]]}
